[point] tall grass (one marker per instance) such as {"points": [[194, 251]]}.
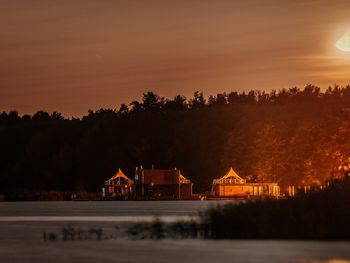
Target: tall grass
{"points": [[159, 230], [323, 214], [71, 233]]}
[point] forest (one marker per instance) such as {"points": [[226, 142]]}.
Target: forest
{"points": [[290, 136]]}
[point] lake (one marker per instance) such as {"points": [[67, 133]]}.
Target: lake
{"points": [[22, 225]]}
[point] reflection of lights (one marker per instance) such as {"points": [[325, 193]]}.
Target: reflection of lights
{"points": [[338, 261], [330, 261]]}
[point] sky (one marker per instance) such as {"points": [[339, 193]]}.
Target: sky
{"points": [[72, 56]]}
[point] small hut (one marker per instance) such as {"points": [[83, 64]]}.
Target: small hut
{"points": [[118, 185]]}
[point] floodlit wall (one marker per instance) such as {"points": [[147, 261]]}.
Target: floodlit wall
{"points": [[245, 190], [231, 185]]}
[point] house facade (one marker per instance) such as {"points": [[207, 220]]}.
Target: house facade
{"points": [[118, 185], [162, 184], [231, 185]]}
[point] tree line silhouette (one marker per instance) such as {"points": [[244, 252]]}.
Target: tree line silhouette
{"points": [[291, 136]]}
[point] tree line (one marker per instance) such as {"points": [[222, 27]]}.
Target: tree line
{"points": [[291, 136]]}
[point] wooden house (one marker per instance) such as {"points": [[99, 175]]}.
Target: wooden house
{"points": [[162, 184]]}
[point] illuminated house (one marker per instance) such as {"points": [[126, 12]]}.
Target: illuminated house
{"points": [[162, 184], [231, 185], [118, 185]]}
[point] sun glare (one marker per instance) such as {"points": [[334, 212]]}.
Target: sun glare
{"points": [[343, 43]]}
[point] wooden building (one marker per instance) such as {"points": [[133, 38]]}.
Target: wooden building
{"points": [[233, 186], [118, 185], [162, 184]]}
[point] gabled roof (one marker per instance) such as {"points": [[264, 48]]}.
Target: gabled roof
{"points": [[119, 174], [184, 180], [230, 177], [163, 176], [232, 173]]}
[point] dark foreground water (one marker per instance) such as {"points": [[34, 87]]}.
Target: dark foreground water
{"points": [[102, 211], [22, 225]]}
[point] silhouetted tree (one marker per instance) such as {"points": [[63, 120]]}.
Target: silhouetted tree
{"points": [[292, 136]]}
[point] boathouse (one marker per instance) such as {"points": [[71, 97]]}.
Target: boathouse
{"points": [[231, 185], [162, 184]]}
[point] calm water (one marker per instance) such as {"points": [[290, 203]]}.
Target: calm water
{"points": [[22, 225], [102, 211], [104, 208]]}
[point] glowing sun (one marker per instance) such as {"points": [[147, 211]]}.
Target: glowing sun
{"points": [[343, 43]]}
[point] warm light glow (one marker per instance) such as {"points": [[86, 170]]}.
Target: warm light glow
{"points": [[343, 43]]}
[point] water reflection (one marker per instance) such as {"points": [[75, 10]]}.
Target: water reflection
{"points": [[336, 260]]}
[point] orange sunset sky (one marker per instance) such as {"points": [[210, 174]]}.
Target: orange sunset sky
{"points": [[71, 56]]}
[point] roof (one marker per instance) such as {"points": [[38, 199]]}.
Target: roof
{"points": [[230, 177], [184, 180], [162, 176], [231, 174], [119, 174]]}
